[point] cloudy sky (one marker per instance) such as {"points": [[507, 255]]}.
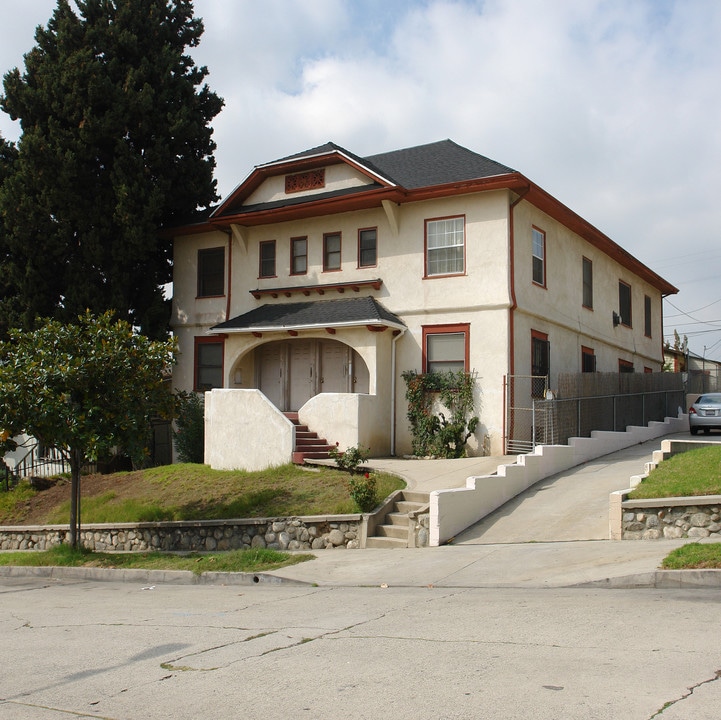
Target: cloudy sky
{"points": [[612, 106]]}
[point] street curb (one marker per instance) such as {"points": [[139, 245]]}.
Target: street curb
{"points": [[659, 579], [147, 577]]}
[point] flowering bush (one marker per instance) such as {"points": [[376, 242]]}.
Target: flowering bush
{"points": [[363, 491]]}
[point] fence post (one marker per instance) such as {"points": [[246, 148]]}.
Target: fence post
{"points": [[578, 417], [533, 424]]}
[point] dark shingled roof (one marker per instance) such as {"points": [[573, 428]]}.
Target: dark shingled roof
{"points": [[435, 164], [321, 313], [421, 166]]}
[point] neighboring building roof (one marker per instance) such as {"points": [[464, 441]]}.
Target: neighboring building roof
{"points": [[349, 312]]}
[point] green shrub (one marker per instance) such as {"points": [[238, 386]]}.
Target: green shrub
{"points": [[350, 458], [189, 436], [435, 434], [363, 491]]}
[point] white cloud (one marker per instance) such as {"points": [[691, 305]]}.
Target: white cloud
{"points": [[610, 105]]}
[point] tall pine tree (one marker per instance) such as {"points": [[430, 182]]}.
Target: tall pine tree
{"points": [[116, 143]]}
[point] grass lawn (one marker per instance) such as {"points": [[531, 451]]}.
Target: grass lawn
{"points": [[189, 492], [695, 472], [256, 560], [181, 492], [694, 556]]}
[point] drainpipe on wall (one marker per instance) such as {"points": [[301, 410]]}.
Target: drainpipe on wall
{"points": [[393, 390], [513, 304], [230, 274]]}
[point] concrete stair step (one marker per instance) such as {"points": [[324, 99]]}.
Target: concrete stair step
{"points": [[387, 543], [312, 442], [397, 518], [416, 496], [405, 506], [392, 531]]}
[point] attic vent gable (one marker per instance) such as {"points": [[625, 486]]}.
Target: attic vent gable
{"points": [[311, 180]]}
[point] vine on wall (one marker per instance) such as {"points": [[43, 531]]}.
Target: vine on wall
{"points": [[434, 433]]}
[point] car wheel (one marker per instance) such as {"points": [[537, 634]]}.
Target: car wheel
{"points": [[694, 430]]}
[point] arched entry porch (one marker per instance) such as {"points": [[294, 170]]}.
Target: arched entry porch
{"points": [[291, 372]]}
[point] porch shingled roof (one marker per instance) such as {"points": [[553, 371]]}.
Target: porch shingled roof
{"points": [[318, 313]]}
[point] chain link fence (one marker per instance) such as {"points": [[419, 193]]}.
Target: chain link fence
{"points": [[583, 403]]}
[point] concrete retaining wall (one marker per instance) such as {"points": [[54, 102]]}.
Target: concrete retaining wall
{"points": [[658, 518], [454, 510]]}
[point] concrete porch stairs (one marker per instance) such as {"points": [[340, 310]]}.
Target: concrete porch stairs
{"points": [[392, 525], [308, 446]]}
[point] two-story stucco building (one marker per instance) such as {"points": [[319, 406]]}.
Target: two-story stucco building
{"points": [[324, 276]]}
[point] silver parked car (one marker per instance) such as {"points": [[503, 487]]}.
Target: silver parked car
{"points": [[705, 413]]}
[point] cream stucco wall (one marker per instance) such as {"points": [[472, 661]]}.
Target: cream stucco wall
{"points": [[481, 297], [558, 311]]}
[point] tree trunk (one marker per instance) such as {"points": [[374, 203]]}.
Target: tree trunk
{"points": [[75, 463]]}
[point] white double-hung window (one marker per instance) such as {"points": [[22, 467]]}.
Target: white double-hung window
{"points": [[445, 246]]}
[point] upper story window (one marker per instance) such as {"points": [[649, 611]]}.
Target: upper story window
{"points": [[208, 364], [588, 359], [211, 272], [445, 246], [539, 256], [624, 303], [331, 251], [298, 256], [367, 247], [587, 284], [647, 316], [267, 259], [445, 348]]}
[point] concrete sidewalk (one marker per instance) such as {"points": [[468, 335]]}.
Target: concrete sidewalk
{"points": [[555, 534]]}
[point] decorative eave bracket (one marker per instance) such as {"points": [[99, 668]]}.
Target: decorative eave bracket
{"points": [[307, 290]]}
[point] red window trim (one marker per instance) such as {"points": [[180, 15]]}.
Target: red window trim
{"points": [[447, 330], [426, 276], [340, 251], [630, 304], [583, 304], [587, 351], [292, 256], [647, 316], [360, 230], [545, 257], [201, 251], [260, 259], [217, 340], [626, 364]]}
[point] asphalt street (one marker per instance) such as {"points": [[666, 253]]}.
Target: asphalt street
{"points": [[125, 651]]}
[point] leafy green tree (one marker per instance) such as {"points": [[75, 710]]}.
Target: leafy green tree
{"points": [[115, 145], [8, 300], [84, 388]]}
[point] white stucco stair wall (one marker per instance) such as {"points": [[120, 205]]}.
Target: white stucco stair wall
{"points": [[245, 431], [452, 511]]}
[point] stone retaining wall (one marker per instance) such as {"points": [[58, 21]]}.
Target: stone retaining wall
{"points": [[306, 533], [644, 520]]}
